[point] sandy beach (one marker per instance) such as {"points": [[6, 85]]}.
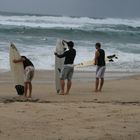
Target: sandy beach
{"points": [[113, 114]]}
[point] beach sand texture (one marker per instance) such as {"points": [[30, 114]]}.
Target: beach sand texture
{"points": [[113, 114]]}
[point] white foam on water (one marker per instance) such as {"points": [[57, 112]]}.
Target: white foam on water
{"points": [[43, 55], [65, 22]]}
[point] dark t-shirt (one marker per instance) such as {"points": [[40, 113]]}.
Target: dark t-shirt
{"points": [[27, 62], [101, 58], [69, 56]]}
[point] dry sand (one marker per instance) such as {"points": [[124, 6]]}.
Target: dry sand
{"points": [[113, 114]]}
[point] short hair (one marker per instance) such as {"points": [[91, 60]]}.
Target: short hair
{"points": [[24, 57], [70, 44], [98, 44]]}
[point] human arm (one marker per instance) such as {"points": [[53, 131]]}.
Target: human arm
{"points": [[96, 57], [60, 55], [18, 60], [63, 42]]}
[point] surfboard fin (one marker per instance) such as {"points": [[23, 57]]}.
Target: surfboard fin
{"points": [[13, 46], [59, 70], [19, 89], [112, 56], [111, 60], [58, 90]]}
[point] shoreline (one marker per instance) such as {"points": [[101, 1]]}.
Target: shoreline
{"points": [[83, 83], [89, 75]]}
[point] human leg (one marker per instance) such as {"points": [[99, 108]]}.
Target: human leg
{"points": [[29, 74], [97, 78], [102, 78], [100, 71], [25, 89], [96, 84], [69, 83], [101, 84], [69, 78], [63, 76], [62, 86], [30, 89]]}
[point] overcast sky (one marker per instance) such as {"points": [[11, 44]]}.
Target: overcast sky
{"points": [[91, 8]]}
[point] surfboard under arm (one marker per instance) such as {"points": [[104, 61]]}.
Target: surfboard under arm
{"points": [[109, 58]]}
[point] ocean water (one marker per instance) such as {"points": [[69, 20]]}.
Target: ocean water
{"points": [[35, 36]]}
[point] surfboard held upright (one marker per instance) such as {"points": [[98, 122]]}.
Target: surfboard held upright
{"points": [[17, 69], [59, 62]]}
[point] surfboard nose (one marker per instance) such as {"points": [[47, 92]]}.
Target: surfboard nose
{"points": [[12, 44]]}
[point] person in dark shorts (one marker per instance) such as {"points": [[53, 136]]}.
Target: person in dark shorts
{"points": [[101, 67], [28, 74], [68, 69]]}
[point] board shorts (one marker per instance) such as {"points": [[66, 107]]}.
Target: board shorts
{"points": [[29, 73], [100, 71], [67, 73]]}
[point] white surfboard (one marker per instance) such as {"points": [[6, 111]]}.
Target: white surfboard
{"points": [[17, 69], [59, 63], [109, 58]]}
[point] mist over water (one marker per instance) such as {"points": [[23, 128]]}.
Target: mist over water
{"points": [[36, 36]]}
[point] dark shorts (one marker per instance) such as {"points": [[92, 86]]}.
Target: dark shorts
{"points": [[67, 73], [100, 71]]}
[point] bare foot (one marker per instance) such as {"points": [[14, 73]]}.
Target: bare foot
{"points": [[25, 96], [100, 90], [66, 93], [29, 97], [96, 90], [62, 93]]}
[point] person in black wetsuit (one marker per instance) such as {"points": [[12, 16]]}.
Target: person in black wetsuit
{"points": [[68, 69], [29, 74], [101, 67]]}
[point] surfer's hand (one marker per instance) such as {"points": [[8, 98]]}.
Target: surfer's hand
{"points": [[63, 42], [55, 53], [17, 61], [94, 63], [14, 61]]}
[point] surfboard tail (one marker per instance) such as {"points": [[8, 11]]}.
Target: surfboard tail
{"points": [[19, 89]]}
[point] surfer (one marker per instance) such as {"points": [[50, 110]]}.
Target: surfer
{"points": [[29, 74], [68, 68], [101, 66]]}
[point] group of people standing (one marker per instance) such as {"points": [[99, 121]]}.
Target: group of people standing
{"points": [[68, 69]]}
